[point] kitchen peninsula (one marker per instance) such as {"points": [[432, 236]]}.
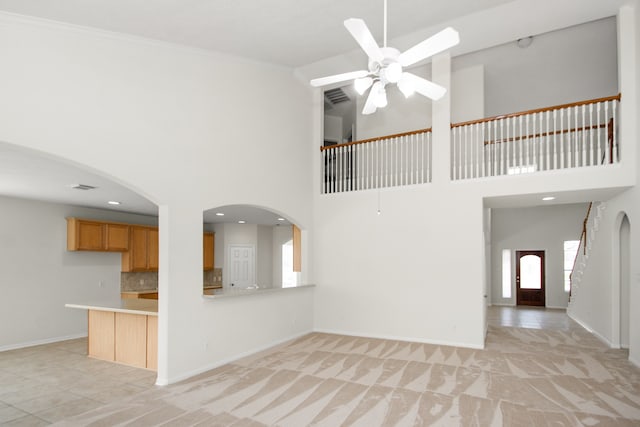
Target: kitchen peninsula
{"points": [[123, 331]]}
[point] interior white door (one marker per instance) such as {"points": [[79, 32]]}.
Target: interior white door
{"points": [[242, 266]]}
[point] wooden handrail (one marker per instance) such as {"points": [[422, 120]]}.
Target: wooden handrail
{"points": [[583, 238], [538, 110], [538, 135], [378, 138]]}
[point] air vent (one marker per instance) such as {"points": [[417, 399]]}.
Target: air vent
{"points": [[82, 187], [336, 96]]}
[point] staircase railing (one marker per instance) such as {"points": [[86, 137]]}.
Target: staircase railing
{"points": [[386, 161], [561, 137], [582, 245]]}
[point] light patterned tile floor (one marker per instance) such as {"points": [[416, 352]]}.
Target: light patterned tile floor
{"points": [[539, 368]]}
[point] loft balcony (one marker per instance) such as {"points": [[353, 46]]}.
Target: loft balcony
{"points": [[582, 134]]}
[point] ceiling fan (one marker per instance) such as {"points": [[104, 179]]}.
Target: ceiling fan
{"points": [[386, 65]]}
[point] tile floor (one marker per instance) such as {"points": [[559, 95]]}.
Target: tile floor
{"points": [[538, 368]]}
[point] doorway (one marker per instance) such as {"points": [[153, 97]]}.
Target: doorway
{"points": [[625, 268], [530, 275], [242, 266]]}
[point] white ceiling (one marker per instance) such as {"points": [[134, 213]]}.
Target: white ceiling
{"points": [[30, 174], [286, 32]]}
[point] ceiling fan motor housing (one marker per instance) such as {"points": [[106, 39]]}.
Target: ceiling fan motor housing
{"points": [[381, 69]]}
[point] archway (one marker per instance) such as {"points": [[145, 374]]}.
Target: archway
{"points": [[624, 268], [249, 246]]}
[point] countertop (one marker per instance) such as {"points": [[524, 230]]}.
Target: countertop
{"points": [[226, 293], [147, 307]]}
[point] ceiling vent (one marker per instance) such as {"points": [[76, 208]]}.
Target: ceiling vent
{"points": [[82, 187], [336, 96]]}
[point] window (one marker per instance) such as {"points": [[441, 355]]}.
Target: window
{"points": [[506, 273], [289, 278], [570, 251]]}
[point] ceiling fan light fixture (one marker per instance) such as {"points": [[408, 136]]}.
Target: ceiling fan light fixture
{"points": [[362, 84], [393, 72], [381, 98]]}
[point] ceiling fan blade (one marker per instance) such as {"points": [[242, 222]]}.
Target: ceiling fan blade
{"points": [[363, 36], [370, 104], [323, 81], [425, 87], [437, 43]]}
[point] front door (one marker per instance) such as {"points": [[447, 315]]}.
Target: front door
{"points": [[530, 278]]}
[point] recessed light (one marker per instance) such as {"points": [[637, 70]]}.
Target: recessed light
{"points": [[241, 222], [280, 219], [546, 199], [219, 214], [113, 202]]}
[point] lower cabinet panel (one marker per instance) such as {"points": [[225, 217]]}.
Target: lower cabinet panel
{"points": [[131, 339], [152, 342], [101, 340]]}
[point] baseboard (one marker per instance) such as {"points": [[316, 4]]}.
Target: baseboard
{"points": [[217, 364], [556, 307], [41, 342], [398, 338], [498, 304], [584, 325]]}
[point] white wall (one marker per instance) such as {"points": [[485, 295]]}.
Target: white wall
{"points": [[535, 228], [400, 274], [333, 129], [264, 256], [281, 235], [187, 128], [568, 65], [39, 276]]}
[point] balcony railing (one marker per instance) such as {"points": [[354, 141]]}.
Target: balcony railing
{"points": [[386, 161], [561, 137], [582, 134]]}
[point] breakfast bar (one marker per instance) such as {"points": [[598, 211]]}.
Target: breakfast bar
{"points": [[123, 331]]}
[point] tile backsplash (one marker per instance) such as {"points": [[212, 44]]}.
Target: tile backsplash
{"points": [[138, 281], [212, 277], [142, 281]]}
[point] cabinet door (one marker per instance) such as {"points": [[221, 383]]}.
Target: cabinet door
{"points": [[89, 236], [208, 251], [138, 249], [117, 237], [152, 249]]}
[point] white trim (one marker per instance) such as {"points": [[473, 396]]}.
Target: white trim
{"points": [[217, 364], [597, 334], [634, 362], [406, 339], [556, 307], [499, 304], [41, 342]]}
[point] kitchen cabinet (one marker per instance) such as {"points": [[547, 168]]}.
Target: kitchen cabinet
{"points": [[127, 338], [90, 235], [297, 249], [208, 242], [143, 249]]}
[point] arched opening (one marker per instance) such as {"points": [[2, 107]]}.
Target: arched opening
{"points": [[252, 248], [624, 266], [67, 237]]}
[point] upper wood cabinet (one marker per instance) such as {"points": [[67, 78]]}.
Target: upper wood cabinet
{"points": [[297, 249], [89, 235], [208, 242], [143, 249]]}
